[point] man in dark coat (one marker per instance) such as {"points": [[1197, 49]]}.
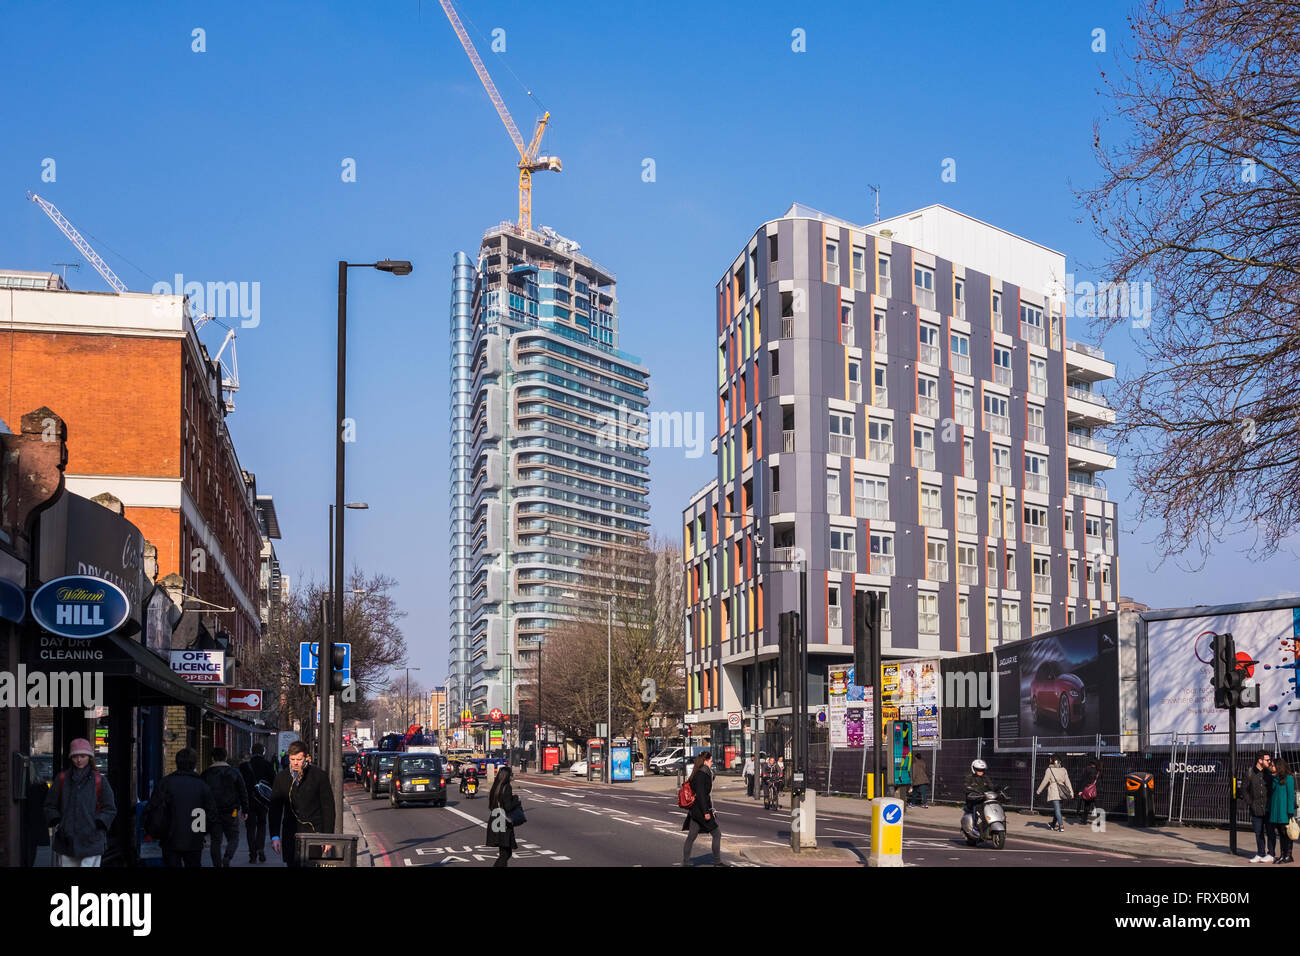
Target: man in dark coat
{"points": [[1258, 787], [192, 811], [231, 797], [301, 801], [700, 817], [257, 769]]}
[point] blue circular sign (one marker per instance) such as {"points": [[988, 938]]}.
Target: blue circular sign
{"points": [[80, 607], [892, 813]]}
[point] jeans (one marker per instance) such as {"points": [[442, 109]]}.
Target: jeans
{"points": [[176, 858], [227, 826], [90, 860], [749, 784], [1261, 828], [1283, 838], [1057, 819], [255, 831], [922, 794], [690, 841]]}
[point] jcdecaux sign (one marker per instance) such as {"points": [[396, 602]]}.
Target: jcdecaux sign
{"points": [[80, 607]]}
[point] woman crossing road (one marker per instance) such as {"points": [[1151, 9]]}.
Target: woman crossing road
{"points": [[700, 816]]}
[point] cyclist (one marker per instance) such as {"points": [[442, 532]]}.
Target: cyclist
{"points": [[771, 785]]}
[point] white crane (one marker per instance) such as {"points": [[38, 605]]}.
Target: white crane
{"points": [[229, 372]]}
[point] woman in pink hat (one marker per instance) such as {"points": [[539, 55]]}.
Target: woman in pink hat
{"points": [[80, 809]]}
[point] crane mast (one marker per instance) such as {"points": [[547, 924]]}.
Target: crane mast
{"points": [[69, 230]]}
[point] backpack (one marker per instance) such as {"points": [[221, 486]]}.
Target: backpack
{"points": [[157, 818], [99, 791], [686, 796], [225, 789]]}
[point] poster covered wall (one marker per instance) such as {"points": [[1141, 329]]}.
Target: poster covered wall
{"points": [[909, 691]]}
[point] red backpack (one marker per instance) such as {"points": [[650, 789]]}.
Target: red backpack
{"points": [[686, 796], [99, 790]]}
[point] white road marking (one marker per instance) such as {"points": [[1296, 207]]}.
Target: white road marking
{"points": [[626, 820], [561, 858]]}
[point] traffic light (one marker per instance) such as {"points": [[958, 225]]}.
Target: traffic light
{"points": [[338, 658], [1225, 660], [898, 764], [866, 637], [788, 628]]}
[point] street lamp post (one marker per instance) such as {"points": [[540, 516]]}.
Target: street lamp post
{"points": [[406, 701], [326, 657]]}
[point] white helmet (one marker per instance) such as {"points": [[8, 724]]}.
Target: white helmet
{"points": [[978, 765]]}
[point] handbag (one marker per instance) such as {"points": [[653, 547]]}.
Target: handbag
{"points": [[1089, 792], [516, 814], [1293, 829]]}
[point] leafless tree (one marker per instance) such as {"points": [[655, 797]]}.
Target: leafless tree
{"points": [[1199, 196]]}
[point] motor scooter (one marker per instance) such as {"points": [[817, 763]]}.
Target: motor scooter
{"points": [[469, 784], [988, 821]]}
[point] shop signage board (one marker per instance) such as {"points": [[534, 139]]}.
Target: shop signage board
{"points": [[200, 667], [80, 607]]}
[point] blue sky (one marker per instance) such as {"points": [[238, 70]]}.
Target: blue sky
{"points": [[225, 166]]}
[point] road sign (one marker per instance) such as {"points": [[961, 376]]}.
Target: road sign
{"points": [[733, 721], [691, 718], [308, 654]]}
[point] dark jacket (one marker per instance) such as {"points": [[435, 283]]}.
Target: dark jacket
{"points": [[979, 784], [256, 769], [228, 789], [920, 772], [507, 801], [306, 806], [1258, 787], [701, 783], [1281, 803], [73, 811], [187, 792]]}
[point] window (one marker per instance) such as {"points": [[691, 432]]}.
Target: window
{"points": [[968, 521], [991, 619], [996, 419], [1074, 578], [923, 285], [871, 498], [841, 437], [753, 268], [927, 396], [884, 610], [968, 571], [1009, 518], [833, 491], [859, 269], [1035, 524], [968, 457], [833, 263], [927, 612], [883, 284], [1037, 376], [880, 396], [833, 618], [1001, 465], [771, 248], [846, 324], [1009, 567], [1001, 365], [1042, 618], [995, 516], [1035, 472], [963, 403], [1031, 323], [855, 381], [1105, 582], [991, 567], [882, 552], [1010, 620], [843, 554], [931, 506], [1035, 430], [1042, 574], [1070, 615], [936, 560], [959, 346], [923, 447], [997, 311], [929, 344], [959, 299], [878, 328], [881, 437], [963, 616]]}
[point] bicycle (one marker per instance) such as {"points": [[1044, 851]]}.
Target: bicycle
{"points": [[771, 794]]}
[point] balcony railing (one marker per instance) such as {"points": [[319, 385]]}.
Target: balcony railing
{"points": [[924, 458], [936, 570], [1036, 534], [1010, 584], [959, 309], [965, 415], [1010, 631], [1088, 491], [929, 354], [855, 391], [998, 424], [884, 286], [1001, 375], [833, 616], [993, 577], [833, 503], [998, 325], [1036, 433], [928, 623], [963, 627], [874, 509], [1002, 475], [787, 327], [968, 574], [1042, 584], [833, 273], [929, 407], [846, 334], [932, 517], [844, 561], [880, 397], [841, 445], [784, 555], [968, 523], [1037, 385], [1084, 441], [774, 385], [959, 362], [1094, 543], [775, 499], [923, 297], [1034, 482], [882, 564], [1032, 333], [1085, 349], [882, 341], [1084, 395], [882, 451], [787, 440], [860, 280]]}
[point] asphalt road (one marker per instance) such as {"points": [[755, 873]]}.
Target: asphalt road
{"points": [[592, 825]]}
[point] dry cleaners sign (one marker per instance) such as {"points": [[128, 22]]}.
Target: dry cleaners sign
{"points": [[80, 607], [200, 667]]}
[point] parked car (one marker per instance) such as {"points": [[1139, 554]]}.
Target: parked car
{"points": [[659, 759], [418, 778], [672, 765], [380, 772], [350, 764], [578, 766], [1059, 697]]}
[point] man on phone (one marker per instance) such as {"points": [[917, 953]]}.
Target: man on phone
{"points": [[302, 801]]}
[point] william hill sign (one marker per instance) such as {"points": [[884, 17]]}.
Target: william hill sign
{"points": [[80, 607]]}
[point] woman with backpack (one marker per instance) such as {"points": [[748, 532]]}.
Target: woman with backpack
{"points": [[505, 811], [80, 807], [1057, 783], [695, 798]]}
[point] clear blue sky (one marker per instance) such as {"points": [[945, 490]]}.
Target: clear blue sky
{"points": [[225, 165]]}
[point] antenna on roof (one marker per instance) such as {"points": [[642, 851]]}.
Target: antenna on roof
{"points": [[876, 190]]}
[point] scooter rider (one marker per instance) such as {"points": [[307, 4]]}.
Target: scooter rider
{"points": [[468, 772], [977, 782]]}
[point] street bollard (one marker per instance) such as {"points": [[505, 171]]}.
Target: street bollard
{"points": [[886, 832]]}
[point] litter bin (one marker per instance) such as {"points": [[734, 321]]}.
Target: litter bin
{"points": [[1140, 791], [326, 849]]}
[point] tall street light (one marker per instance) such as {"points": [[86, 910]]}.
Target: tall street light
{"points": [[326, 657], [334, 627], [406, 701]]}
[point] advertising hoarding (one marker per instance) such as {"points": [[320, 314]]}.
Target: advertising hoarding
{"points": [[1180, 698]]}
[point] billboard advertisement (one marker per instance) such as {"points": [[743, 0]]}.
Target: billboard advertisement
{"points": [[917, 699], [1180, 698], [1063, 683], [838, 705]]}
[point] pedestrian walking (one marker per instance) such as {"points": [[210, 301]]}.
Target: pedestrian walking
{"points": [[700, 817], [181, 812], [231, 799], [80, 808], [1057, 784], [1087, 795], [302, 801], [503, 809], [1281, 808], [1257, 791], [257, 770], [749, 775], [920, 780]]}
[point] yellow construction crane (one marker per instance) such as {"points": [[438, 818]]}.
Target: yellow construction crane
{"points": [[529, 161]]}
